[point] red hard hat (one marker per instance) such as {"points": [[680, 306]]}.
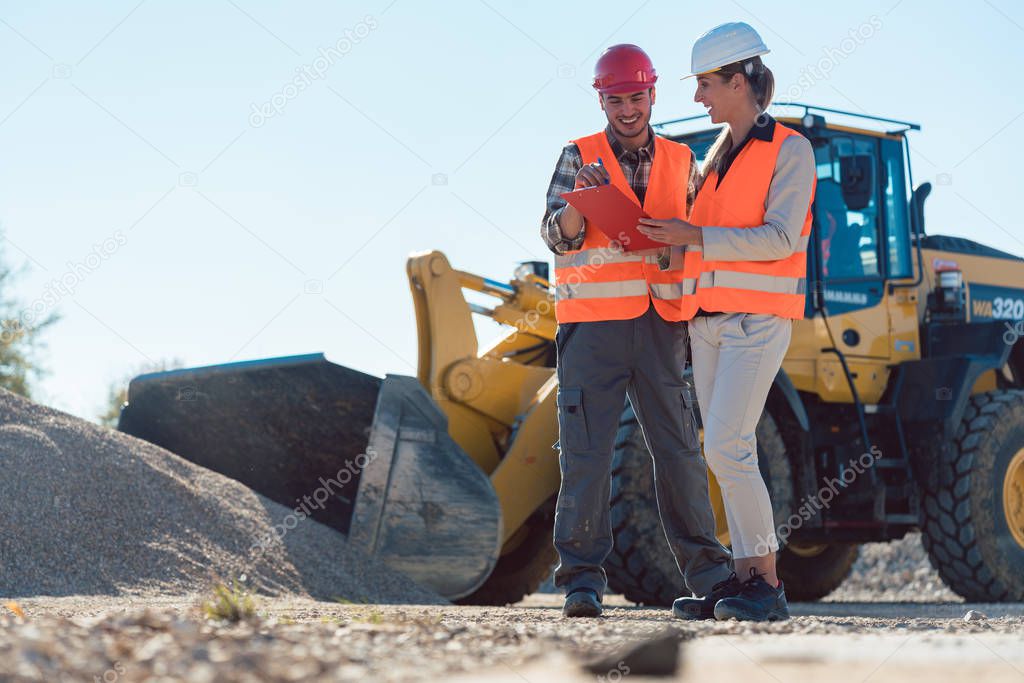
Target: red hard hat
{"points": [[623, 68]]}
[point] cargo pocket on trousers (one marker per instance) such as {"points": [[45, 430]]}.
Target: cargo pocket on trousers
{"points": [[572, 420], [691, 433]]}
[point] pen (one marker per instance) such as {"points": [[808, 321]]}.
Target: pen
{"points": [[601, 164]]}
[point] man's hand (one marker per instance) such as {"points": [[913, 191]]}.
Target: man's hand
{"points": [[672, 231], [592, 175]]}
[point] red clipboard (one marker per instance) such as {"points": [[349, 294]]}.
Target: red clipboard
{"points": [[614, 213]]}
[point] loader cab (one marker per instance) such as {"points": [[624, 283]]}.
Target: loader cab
{"points": [[861, 217]]}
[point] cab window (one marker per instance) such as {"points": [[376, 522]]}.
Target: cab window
{"points": [[846, 208], [897, 218]]}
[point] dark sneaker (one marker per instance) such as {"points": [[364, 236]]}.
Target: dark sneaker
{"points": [[704, 608], [757, 601], [582, 602]]}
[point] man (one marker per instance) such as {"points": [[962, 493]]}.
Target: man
{"points": [[621, 332]]}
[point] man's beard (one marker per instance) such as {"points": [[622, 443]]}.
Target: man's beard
{"points": [[641, 124]]}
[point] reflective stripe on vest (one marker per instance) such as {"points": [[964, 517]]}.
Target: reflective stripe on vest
{"points": [[801, 245], [754, 281], [600, 281], [778, 286], [674, 290], [600, 290], [594, 257]]}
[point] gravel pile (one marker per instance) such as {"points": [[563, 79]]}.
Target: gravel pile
{"points": [[898, 571], [85, 510]]}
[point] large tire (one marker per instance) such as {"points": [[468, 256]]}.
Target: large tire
{"points": [[812, 572], [641, 565], [522, 570], [973, 526]]}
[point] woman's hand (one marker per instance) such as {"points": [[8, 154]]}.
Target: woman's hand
{"points": [[672, 231]]}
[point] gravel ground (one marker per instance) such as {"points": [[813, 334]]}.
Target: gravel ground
{"points": [[165, 638], [89, 510]]}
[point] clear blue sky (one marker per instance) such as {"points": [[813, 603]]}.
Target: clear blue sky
{"points": [[133, 123]]}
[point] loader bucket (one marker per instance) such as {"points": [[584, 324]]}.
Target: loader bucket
{"points": [[370, 457]]}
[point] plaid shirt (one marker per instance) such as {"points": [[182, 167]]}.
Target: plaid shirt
{"points": [[636, 166]]}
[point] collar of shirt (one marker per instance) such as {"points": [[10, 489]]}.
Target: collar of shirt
{"points": [[760, 131], [621, 153]]}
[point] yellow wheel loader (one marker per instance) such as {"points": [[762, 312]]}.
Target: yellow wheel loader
{"points": [[899, 407]]}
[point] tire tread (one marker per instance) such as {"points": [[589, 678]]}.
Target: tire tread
{"points": [[950, 533]]}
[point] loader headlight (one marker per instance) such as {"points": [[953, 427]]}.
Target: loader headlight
{"points": [[813, 121]]}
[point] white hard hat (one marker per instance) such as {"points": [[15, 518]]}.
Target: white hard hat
{"points": [[725, 44]]}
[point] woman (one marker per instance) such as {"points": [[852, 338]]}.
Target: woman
{"points": [[749, 228]]}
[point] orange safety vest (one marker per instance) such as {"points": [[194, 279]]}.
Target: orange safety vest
{"points": [[776, 287], [600, 281]]}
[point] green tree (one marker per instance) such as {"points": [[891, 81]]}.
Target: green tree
{"points": [[21, 328]]}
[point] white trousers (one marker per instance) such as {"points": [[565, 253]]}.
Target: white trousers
{"points": [[735, 359]]}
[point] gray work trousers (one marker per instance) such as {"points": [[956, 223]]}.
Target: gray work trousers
{"points": [[599, 364]]}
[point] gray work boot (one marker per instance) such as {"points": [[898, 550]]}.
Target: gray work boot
{"points": [[757, 601], [582, 602]]}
